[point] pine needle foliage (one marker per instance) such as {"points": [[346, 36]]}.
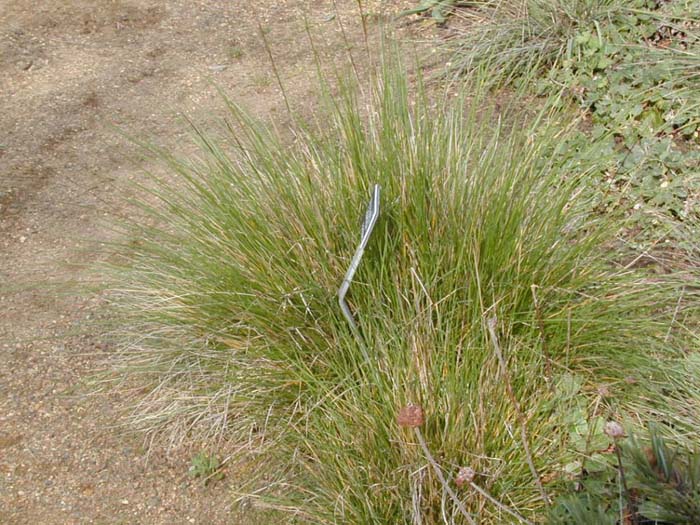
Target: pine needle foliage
{"points": [[232, 324]]}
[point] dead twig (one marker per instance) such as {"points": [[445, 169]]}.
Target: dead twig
{"points": [[491, 325]]}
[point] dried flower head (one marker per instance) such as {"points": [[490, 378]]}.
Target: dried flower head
{"points": [[604, 391], [411, 416], [465, 476], [651, 457], [614, 430]]}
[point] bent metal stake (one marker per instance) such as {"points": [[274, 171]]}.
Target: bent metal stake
{"points": [[371, 216]]}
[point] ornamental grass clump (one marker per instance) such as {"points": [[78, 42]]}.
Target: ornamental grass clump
{"points": [[484, 240]]}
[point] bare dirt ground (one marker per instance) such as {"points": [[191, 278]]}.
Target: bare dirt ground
{"points": [[71, 70]]}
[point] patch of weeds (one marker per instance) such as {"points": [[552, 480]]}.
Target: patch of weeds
{"points": [[235, 52], [649, 483], [438, 9], [635, 76], [207, 467], [633, 67], [262, 80], [515, 39]]}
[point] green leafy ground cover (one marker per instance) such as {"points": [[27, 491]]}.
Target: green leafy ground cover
{"points": [[650, 482], [639, 77], [633, 66]]}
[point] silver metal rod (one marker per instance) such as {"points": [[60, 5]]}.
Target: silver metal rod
{"points": [[371, 216]]}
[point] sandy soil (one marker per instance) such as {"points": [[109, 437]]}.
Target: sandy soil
{"points": [[70, 71]]}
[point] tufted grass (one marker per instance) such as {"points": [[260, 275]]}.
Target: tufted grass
{"points": [[230, 324]]}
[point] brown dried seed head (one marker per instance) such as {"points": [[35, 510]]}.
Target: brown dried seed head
{"points": [[465, 476], [411, 416], [603, 391], [614, 430], [651, 457]]}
